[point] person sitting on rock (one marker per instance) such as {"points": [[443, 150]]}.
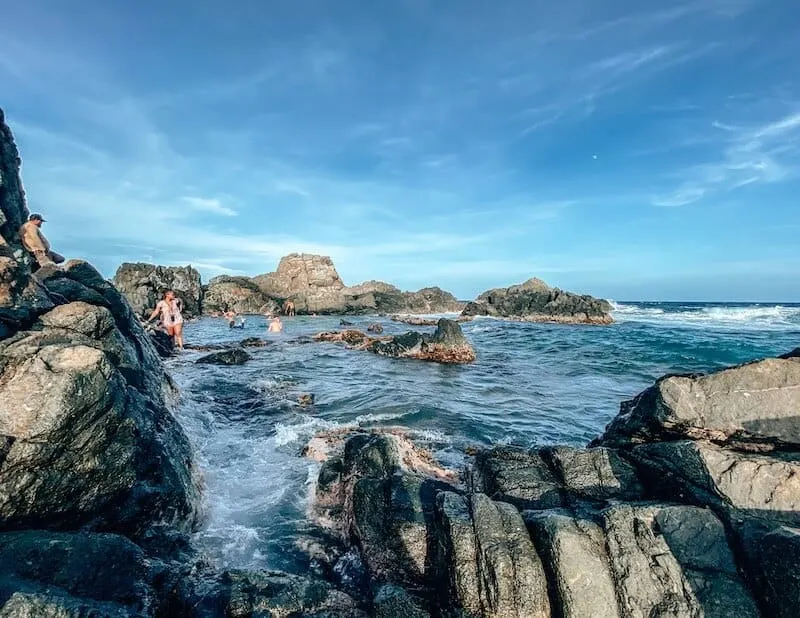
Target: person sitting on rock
{"points": [[275, 325], [170, 309], [35, 242]]}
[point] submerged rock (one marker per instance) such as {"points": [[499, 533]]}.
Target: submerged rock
{"points": [[535, 301], [446, 345], [234, 356]]}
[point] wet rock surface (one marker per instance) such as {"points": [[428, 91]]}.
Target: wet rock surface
{"points": [[667, 524], [535, 301], [447, 345], [234, 356]]}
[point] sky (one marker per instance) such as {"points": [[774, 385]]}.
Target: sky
{"points": [[644, 149]]}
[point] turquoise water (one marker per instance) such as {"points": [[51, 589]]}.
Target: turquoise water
{"points": [[532, 384]]}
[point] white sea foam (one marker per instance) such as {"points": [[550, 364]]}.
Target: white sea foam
{"points": [[747, 317]]}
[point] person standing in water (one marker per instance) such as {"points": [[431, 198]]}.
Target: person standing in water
{"points": [[170, 308], [275, 325]]}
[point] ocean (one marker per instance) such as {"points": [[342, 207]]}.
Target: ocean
{"points": [[532, 384]]}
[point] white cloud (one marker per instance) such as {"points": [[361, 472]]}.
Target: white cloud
{"points": [[211, 205]]}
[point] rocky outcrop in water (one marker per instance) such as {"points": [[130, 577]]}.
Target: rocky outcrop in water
{"points": [[689, 505], [237, 294], [535, 301], [144, 285], [447, 345]]}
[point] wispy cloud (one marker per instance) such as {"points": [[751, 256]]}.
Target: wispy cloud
{"points": [[765, 153], [211, 205]]}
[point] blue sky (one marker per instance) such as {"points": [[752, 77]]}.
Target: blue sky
{"points": [[629, 149]]}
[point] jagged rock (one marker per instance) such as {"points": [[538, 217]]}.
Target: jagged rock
{"points": [[239, 294], [766, 485], [234, 356], [446, 345], [163, 343], [84, 436], [274, 594], [22, 298], [575, 558], [456, 559], [417, 321], [431, 300], [144, 285], [512, 582], [772, 555], [13, 211], [752, 403], [673, 561], [594, 473], [517, 476], [394, 602], [535, 301], [254, 342], [74, 575]]}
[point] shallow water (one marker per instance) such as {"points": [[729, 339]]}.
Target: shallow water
{"points": [[532, 384]]}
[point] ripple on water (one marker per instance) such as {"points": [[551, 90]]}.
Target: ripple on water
{"points": [[532, 384]]}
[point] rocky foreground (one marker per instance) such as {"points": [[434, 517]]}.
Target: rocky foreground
{"points": [[688, 505]]}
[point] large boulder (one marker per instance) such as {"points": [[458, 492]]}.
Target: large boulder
{"points": [[311, 281], [239, 294], [144, 285], [755, 403], [535, 301], [75, 575]]}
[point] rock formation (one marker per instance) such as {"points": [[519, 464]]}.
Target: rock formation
{"points": [[535, 301], [239, 294], [689, 505], [447, 345], [98, 487], [144, 285]]}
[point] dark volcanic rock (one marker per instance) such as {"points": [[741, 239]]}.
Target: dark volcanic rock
{"points": [[163, 343], [234, 356], [144, 285], [535, 301], [755, 403], [446, 345], [59, 574]]}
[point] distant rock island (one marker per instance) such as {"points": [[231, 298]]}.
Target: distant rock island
{"points": [[536, 301], [312, 283]]}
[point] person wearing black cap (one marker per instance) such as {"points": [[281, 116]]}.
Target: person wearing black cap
{"points": [[35, 242]]}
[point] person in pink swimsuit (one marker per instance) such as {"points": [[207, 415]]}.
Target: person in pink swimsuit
{"points": [[170, 309]]}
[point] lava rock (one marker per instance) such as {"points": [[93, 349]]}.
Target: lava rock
{"points": [[535, 301], [143, 285], [234, 356]]}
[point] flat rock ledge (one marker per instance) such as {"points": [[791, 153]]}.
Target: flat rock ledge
{"points": [[447, 345], [688, 506]]}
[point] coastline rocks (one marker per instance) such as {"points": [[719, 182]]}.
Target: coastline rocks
{"points": [[447, 345], [234, 356], [657, 521], [239, 294], [416, 321], [754, 404], [535, 301], [144, 285]]}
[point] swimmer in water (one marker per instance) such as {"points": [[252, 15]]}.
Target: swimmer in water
{"points": [[275, 325]]}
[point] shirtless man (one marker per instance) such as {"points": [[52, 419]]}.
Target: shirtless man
{"points": [[170, 309], [35, 242], [275, 325]]}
